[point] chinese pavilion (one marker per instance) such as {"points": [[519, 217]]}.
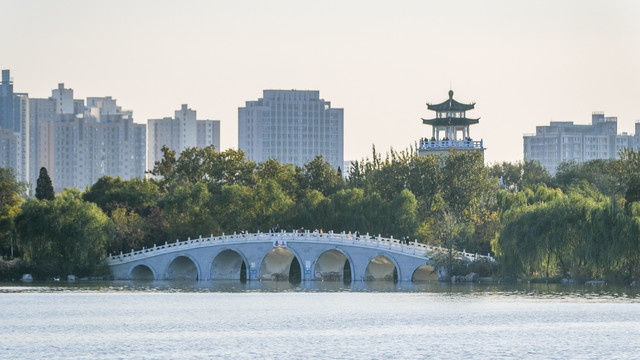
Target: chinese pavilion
{"points": [[450, 128]]}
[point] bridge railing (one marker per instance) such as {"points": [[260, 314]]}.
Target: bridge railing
{"points": [[366, 240]]}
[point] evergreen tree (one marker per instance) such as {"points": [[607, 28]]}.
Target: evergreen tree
{"points": [[44, 188]]}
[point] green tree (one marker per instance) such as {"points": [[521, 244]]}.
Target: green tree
{"points": [[318, 174], [135, 194], [12, 194], [404, 214], [271, 205], [64, 236], [188, 212], [204, 165], [598, 172], [234, 208], [627, 173], [44, 187], [283, 175], [128, 231]]}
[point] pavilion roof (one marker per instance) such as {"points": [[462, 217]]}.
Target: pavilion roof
{"points": [[450, 105], [450, 121]]}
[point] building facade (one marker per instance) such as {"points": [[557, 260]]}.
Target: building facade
{"points": [[41, 111], [78, 144], [14, 123], [564, 141], [179, 133], [450, 129], [293, 127]]}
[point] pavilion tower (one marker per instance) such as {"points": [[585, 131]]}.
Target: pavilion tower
{"points": [[450, 128]]}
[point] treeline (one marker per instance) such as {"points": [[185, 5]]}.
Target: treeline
{"points": [[580, 223], [583, 223]]}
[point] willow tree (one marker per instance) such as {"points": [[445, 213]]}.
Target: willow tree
{"points": [[64, 236]]}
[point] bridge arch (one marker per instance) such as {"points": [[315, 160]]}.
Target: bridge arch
{"points": [[142, 272], [333, 265], [183, 267], [382, 268], [229, 264], [281, 263], [424, 273]]}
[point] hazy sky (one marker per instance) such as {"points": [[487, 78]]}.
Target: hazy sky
{"points": [[524, 63]]}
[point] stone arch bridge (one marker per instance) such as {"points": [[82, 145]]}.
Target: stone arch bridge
{"points": [[293, 256]]}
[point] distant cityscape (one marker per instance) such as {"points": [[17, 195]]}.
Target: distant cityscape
{"points": [[564, 141], [79, 141]]}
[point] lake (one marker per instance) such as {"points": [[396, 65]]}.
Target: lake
{"points": [[272, 320]]}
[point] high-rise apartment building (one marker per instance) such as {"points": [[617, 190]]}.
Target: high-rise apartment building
{"points": [[14, 119], [41, 111], [563, 141], [179, 133], [79, 144], [6, 101], [293, 127]]}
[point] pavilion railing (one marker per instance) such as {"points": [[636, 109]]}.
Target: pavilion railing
{"points": [[425, 144]]}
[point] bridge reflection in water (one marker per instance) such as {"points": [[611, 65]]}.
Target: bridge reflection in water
{"points": [[282, 256]]}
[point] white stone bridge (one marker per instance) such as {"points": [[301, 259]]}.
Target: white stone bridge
{"points": [[294, 256]]}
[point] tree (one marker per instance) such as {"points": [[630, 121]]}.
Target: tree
{"points": [[135, 194], [12, 194], [205, 165], [318, 174], [44, 188], [271, 205], [233, 208], [189, 212], [283, 175], [404, 213], [598, 172], [128, 231], [63, 236]]}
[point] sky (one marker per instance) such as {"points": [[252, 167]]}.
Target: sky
{"points": [[524, 63]]}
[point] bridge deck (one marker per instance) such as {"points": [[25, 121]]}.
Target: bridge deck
{"points": [[412, 248]]}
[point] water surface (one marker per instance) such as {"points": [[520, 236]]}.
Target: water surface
{"points": [[160, 320]]}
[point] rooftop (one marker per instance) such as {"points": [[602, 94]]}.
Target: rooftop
{"points": [[450, 105]]}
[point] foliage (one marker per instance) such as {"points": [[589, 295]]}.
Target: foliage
{"points": [[12, 195], [204, 165], [582, 223], [44, 187], [63, 236], [110, 193], [520, 175]]}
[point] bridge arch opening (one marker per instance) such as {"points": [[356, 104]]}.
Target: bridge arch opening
{"points": [[182, 268], [142, 273], [229, 265], [333, 265], [280, 264], [424, 273], [381, 268]]}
